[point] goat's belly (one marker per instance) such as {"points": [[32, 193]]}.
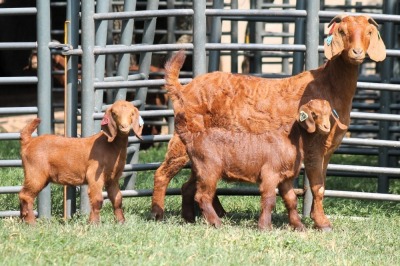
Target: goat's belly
{"points": [[72, 179], [249, 177]]}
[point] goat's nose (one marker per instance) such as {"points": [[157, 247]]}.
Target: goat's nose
{"points": [[357, 51]]}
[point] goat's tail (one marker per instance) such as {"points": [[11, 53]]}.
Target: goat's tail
{"points": [[172, 68], [181, 128], [26, 132]]}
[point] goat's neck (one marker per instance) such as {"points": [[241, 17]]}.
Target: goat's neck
{"points": [[342, 78]]}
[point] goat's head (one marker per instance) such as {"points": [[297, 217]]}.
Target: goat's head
{"points": [[120, 117], [353, 37], [316, 114]]}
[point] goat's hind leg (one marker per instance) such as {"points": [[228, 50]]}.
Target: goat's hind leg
{"points": [[290, 199], [204, 196], [28, 193], [268, 185], [175, 159], [188, 202], [115, 196]]}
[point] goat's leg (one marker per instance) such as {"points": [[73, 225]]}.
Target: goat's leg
{"points": [[204, 196], [317, 184], [28, 193], [96, 201], [188, 193], [175, 159], [115, 196], [290, 199], [188, 202], [268, 199]]}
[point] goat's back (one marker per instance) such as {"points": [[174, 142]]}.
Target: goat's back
{"points": [[242, 103]]}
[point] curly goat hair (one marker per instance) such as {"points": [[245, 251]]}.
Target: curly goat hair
{"points": [[272, 159], [252, 104], [97, 160]]}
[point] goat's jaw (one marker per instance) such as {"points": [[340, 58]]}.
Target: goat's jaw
{"points": [[124, 130], [324, 130]]}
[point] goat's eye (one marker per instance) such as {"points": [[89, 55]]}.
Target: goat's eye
{"points": [[314, 115], [342, 32]]}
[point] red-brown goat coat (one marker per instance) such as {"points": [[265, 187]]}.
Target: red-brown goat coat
{"points": [[250, 104], [97, 160], [270, 158]]}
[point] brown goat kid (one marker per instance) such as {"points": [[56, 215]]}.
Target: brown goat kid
{"points": [[271, 159], [255, 105], [97, 160]]}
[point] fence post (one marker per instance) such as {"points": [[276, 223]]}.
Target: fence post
{"points": [[44, 90], [87, 84], [71, 94], [312, 32], [199, 38]]}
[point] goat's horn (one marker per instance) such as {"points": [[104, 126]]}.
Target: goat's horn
{"points": [[337, 19], [372, 21]]}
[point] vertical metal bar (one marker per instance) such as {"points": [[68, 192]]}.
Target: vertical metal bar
{"points": [[101, 30], [234, 39], [285, 40], [298, 57], [312, 25], [71, 93], [215, 37], [258, 33], [87, 84], [385, 97], [171, 38], [126, 39], [44, 89], [141, 93], [199, 37]]}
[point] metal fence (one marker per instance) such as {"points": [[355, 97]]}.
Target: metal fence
{"points": [[100, 81]]}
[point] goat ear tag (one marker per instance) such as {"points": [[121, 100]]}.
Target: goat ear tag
{"points": [[303, 116], [329, 40], [105, 120], [141, 122]]}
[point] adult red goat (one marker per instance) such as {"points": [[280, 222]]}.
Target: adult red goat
{"points": [[255, 105]]}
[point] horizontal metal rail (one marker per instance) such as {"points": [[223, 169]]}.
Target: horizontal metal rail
{"points": [[18, 110], [132, 84], [147, 14], [18, 11], [17, 45], [375, 116], [18, 80]]}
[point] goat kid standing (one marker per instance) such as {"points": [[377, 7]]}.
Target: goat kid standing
{"points": [[97, 160], [270, 159], [255, 105]]}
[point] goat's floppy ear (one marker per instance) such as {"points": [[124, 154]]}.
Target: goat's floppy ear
{"points": [[137, 125], [376, 49], [306, 120], [333, 44], [108, 126], [340, 124]]}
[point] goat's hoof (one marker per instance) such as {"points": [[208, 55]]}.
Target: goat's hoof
{"points": [[325, 229], [157, 213], [189, 218], [299, 227]]}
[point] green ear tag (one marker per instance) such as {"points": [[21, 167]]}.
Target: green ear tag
{"points": [[303, 116], [329, 40], [379, 36]]}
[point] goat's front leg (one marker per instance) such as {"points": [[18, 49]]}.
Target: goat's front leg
{"points": [[290, 199], [115, 196], [175, 159], [96, 200], [268, 184], [316, 177]]}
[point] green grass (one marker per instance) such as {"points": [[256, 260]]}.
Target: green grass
{"points": [[365, 232]]}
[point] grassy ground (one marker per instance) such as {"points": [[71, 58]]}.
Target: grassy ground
{"points": [[365, 232]]}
